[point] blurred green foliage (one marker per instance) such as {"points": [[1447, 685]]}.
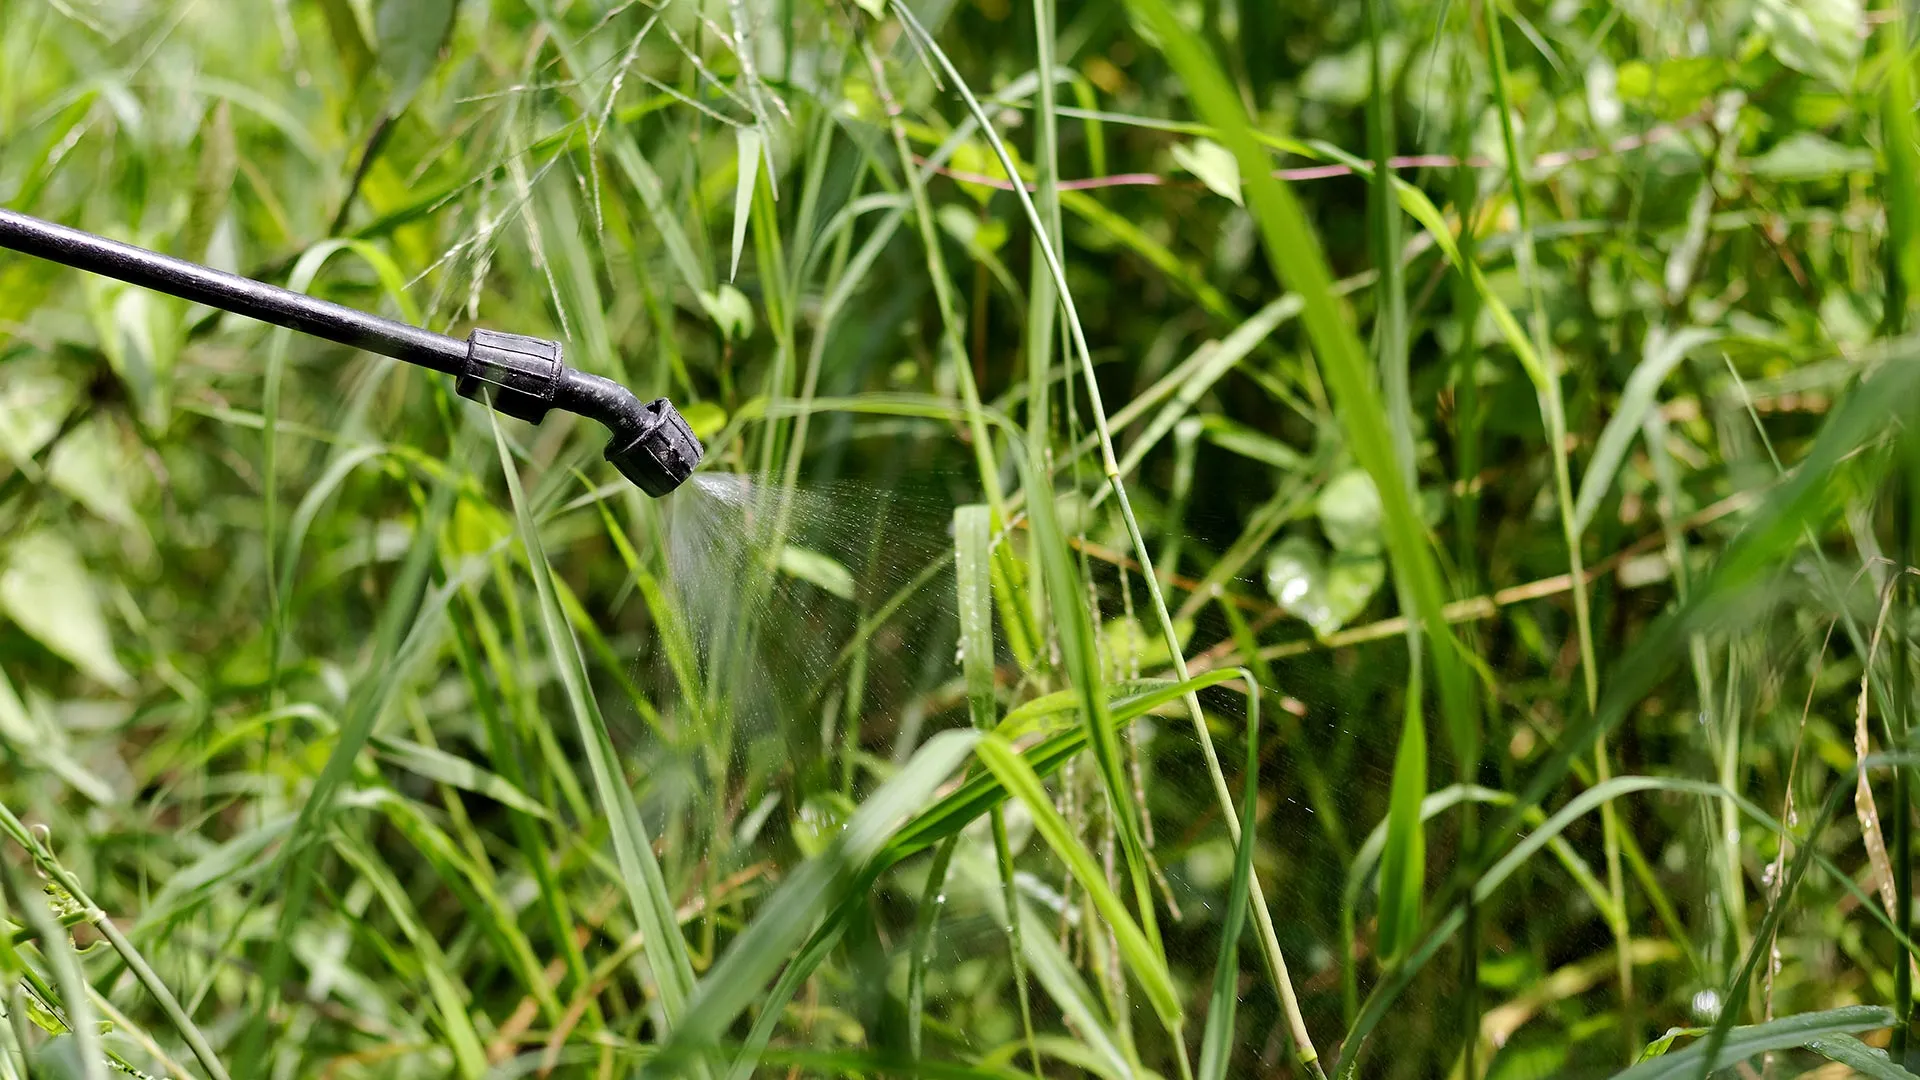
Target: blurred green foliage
{"points": [[344, 732]]}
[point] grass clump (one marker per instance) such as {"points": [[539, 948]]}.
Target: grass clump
{"points": [[1169, 594]]}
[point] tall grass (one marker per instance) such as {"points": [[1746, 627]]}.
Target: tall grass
{"points": [[1074, 380]]}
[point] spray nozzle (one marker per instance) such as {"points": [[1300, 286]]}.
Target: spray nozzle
{"points": [[525, 376], [521, 376]]}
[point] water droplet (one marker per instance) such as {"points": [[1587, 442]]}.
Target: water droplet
{"points": [[1706, 1004]]}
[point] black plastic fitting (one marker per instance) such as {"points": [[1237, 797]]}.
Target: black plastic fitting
{"points": [[513, 373], [523, 377]]}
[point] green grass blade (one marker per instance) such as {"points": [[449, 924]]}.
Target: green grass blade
{"points": [[641, 878], [1858, 1056], [1217, 1038], [1298, 261], [403, 618], [973, 554], [1664, 352], [1140, 957], [1745, 1042], [443, 988], [819, 886], [1403, 862]]}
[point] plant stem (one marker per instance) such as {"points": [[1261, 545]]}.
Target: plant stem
{"points": [[1269, 936], [1553, 412]]}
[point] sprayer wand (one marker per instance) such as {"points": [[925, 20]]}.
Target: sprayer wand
{"points": [[520, 376]]}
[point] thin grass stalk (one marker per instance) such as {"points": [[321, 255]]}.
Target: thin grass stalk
{"points": [[640, 873], [1109, 462], [973, 560], [1902, 262], [1905, 511], [1468, 421], [1269, 938], [1277, 962], [1005, 565], [1553, 412], [950, 339], [56, 947], [1042, 304], [933, 900], [526, 833]]}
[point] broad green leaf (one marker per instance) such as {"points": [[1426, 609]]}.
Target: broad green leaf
{"points": [[349, 38], [47, 591], [1325, 591], [408, 36], [1809, 155], [92, 464], [706, 418], [1346, 78], [1676, 87], [730, 311], [1349, 512], [817, 569], [1213, 164], [1818, 37], [37, 393]]}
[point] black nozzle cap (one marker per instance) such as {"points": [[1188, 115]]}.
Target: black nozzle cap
{"points": [[664, 453]]}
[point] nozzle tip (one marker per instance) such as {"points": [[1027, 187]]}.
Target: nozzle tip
{"points": [[663, 455]]}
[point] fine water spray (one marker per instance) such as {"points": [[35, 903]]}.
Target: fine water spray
{"points": [[523, 377]]}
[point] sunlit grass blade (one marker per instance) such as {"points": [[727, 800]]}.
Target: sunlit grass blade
{"points": [[1141, 958], [973, 573], [1858, 1056], [640, 873]]}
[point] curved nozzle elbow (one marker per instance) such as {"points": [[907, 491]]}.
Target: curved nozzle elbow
{"points": [[651, 444], [525, 377]]}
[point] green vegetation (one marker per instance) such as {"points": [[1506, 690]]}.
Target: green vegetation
{"points": [[1164, 598]]}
